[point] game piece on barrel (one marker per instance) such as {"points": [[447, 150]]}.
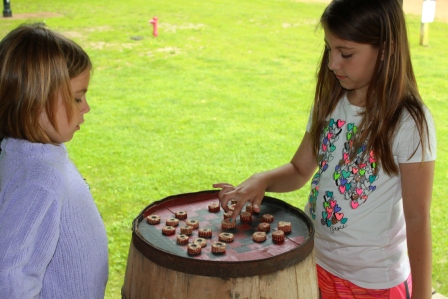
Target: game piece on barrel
{"points": [[205, 233], [228, 214], [194, 249], [227, 224], [259, 237], [172, 221], [267, 218], [278, 236], [153, 219], [193, 223], [264, 227], [246, 217], [181, 215], [214, 207], [226, 237], [232, 207], [168, 230], [182, 239], [200, 241], [285, 226], [250, 208], [186, 230], [233, 201], [218, 247]]}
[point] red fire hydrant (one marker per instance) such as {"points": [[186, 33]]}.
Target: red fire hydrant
{"points": [[153, 21]]}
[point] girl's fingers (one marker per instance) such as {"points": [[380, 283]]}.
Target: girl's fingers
{"points": [[225, 194], [222, 185], [242, 195], [256, 204]]}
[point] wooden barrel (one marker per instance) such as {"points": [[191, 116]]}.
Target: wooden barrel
{"points": [[157, 267]]}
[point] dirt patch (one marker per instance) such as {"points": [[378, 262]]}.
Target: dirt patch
{"points": [[37, 15], [173, 28]]}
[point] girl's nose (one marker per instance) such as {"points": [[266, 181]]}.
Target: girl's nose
{"points": [[85, 108], [333, 62]]}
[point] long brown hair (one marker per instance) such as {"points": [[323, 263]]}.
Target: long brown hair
{"points": [[36, 65], [392, 89]]}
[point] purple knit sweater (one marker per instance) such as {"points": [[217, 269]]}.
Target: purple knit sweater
{"points": [[53, 243]]}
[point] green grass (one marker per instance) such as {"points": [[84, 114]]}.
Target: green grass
{"points": [[224, 91]]}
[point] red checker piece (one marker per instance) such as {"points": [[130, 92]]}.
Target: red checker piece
{"points": [[246, 217], [200, 241], [194, 249], [181, 215], [214, 207], [259, 237], [153, 219], [264, 227], [182, 239], [193, 223], [218, 247], [285, 226], [228, 214], [267, 218], [186, 230], [172, 222], [278, 236], [250, 208], [226, 224], [205, 233], [226, 237], [168, 230]]}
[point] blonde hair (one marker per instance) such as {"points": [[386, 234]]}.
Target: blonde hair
{"points": [[392, 89], [36, 65]]}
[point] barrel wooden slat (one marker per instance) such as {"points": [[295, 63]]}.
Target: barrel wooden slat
{"points": [[147, 280]]}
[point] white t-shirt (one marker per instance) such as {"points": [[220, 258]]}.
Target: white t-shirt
{"points": [[356, 208]]}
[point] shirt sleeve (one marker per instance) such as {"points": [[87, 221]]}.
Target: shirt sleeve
{"points": [[29, 229], [407, 147], [310, 120]]}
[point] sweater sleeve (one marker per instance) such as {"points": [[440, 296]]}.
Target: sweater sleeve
{"points": [[29, 226]]}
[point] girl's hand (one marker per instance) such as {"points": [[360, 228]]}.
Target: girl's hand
{"points": [[252, 190], [225, 188]]}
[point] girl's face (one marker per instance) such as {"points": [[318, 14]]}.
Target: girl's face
{"points": [[352, 64], [67, 129]]}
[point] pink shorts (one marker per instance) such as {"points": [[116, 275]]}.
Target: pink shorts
{"points": [[333, 287]]}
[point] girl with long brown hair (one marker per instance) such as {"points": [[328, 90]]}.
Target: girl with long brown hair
{"points": [[369, 153]]}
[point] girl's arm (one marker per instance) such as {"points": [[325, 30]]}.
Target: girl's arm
{"points": [[286, 178], [29, 230], [417, 181]]}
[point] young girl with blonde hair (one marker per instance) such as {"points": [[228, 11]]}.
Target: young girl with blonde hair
{"points": [[53, 242]]}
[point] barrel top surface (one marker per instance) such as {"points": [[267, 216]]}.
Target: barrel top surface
{"points": [[249, 256]]}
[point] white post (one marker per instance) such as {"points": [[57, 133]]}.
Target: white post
{"points": [[428, 13]]}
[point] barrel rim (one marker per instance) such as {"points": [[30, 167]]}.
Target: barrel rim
{"points": [[223, 269]]}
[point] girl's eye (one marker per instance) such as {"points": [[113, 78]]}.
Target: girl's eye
{"points": [[346, 56], [78, 100]]}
